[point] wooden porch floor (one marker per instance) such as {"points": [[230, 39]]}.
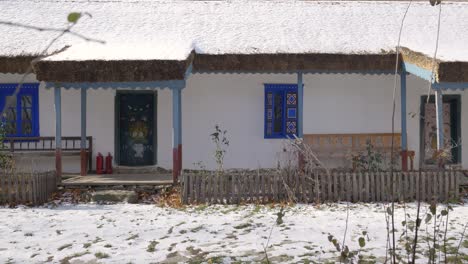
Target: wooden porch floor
{"points": [[116, 179]]}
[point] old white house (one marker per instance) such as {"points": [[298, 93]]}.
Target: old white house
{"points": [[168, 71]]}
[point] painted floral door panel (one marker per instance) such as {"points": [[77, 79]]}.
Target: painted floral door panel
{"points": [[452, 133], [136, 129], [430, 132]]}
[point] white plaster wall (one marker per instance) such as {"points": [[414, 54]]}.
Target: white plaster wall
{"points": [[333, 103]]}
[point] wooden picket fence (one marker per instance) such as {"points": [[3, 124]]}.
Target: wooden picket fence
{"points": [[27, 188], [320, 186]]}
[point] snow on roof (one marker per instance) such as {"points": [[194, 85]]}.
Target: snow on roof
{"points": [[165, 29]]}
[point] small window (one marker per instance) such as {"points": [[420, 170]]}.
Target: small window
{"points": [[280, 110], [21, 118]]}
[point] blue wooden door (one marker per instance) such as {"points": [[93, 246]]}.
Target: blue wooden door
{"points": [[136, 129]]}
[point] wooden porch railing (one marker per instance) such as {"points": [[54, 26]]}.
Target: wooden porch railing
{"points": [[340, 145], [47, 144]]}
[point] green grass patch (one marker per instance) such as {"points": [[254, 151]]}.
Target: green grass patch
{"points": [[66, 260], [87, 245], [242, 226], [132, 237], [152, 246], [101, 255], [64, 247]]}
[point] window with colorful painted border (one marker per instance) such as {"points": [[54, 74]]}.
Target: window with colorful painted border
{"points": [[21, 119], [280, 110]]}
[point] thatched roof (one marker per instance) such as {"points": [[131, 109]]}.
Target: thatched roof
{"points": [[153, 40]]}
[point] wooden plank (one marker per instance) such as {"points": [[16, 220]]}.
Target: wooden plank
{"points": [[258, 189], [199, 188], [400, 186], [377, 191], [348, 186], [360, 180], [185, 177], [16, 187], [320, 180], [303, 186], [434, 186], [446, 180], [416, 186], [30, 189], [370, 187], [209, 188], [338, 186], [366, 187], [316, 180], [2, 188], [195, 188], [268, 193], [410, 195], [386, 186], [329, 185], [193, 179], [355, 188], [336, 192], [250, 187], [423, 179], [452, 184], [240, 187], [212, 199], [274, 187], [429, 186]]}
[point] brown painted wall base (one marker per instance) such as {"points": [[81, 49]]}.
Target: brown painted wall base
{"points": [[176, 163], [58, 164], [83, 163]]}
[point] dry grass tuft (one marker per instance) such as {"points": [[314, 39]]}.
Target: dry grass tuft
{"points": [[170, 197]]}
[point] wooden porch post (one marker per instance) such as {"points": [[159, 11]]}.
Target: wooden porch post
{"points": [[300, 105], [439, 119], [83, 154], [404, 140], [176, 134], [58, 133]]}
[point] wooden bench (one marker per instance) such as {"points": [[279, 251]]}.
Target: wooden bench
{"points": [[45, 146], [343, 145]]}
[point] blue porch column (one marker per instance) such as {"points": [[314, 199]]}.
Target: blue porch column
{"points": [[300, 105], [58, 132], [176, 133], [404, 134], [83, 153], [439, 119]]}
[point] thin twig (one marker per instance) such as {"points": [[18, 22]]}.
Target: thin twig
{"points": [[346, 228], [429, 89], [445, 235], [42, 54], [392, 153], [266, 246], [50, 29], [418, 220], [461, 240]]}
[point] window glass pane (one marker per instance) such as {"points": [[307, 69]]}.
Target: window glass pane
{"points": [[26, 121], [26, 101], [11, 114], [10, 128], [278, 116], [11, 101]]}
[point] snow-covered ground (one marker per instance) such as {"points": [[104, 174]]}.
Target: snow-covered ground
{"points": [[124, 233]]}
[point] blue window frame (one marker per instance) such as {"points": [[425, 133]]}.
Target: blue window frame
{"points": [[280, 110], [21, 119]]}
